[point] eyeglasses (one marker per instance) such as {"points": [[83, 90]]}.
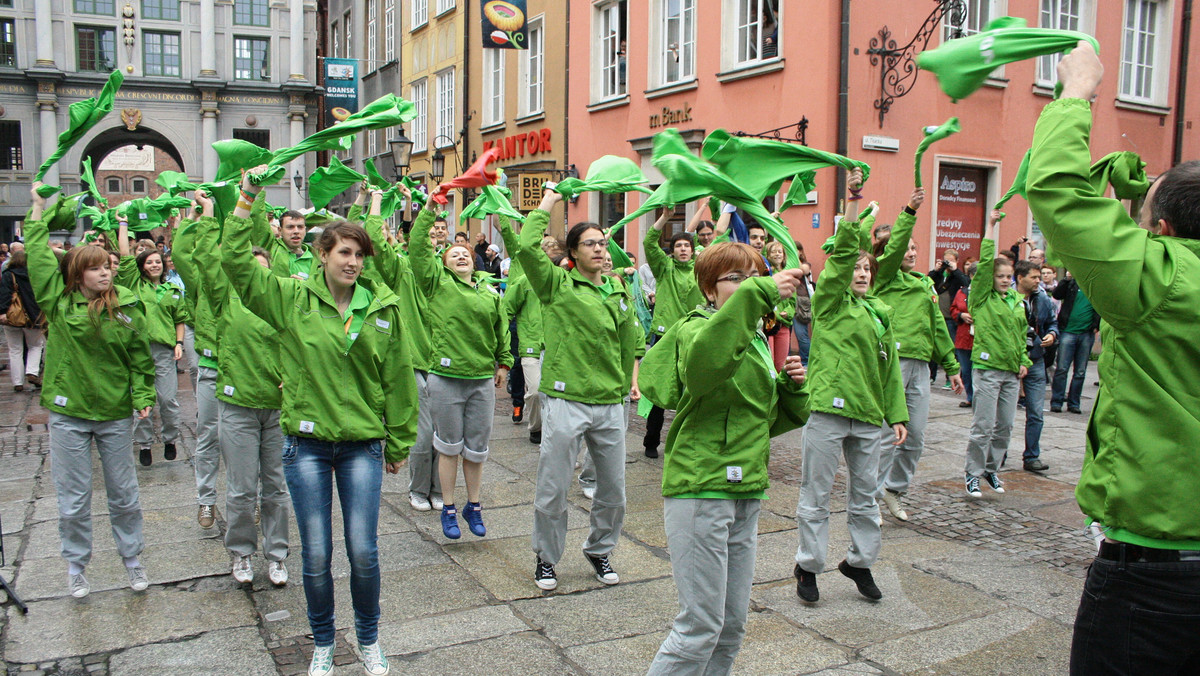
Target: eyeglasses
{"points": [[593, 243], [736, 278]]}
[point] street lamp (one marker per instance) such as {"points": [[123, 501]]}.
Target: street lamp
{"points": [[438, 165], [298, 181], [402, 148]]}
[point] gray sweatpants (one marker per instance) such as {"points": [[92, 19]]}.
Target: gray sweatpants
{"points": [[422, 471], [532, 367], [897, 464], [712, 545], [252, 446], [71, 467], [826, 437], [207, 457], [190, 360], [995, 407], [462, 411], [166, 386], [602, 427]]}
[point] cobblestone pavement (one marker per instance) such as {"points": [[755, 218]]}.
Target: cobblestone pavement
{"points": [[980, 586]]}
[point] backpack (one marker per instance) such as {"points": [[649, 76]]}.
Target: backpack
{"points": [[16, 314]]}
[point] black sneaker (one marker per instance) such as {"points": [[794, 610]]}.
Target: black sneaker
{"points": [[994, 481], [535, 437], [168, 451], [1036, 465], [862, 579], [144, 457], [1056, 409], [1074, 409], [518, 414], [806, 585], [604, 572], [543, 575], [973, 487], [652, 452]]}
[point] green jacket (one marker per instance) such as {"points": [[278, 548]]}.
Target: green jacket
{"points": [[394, 269], [1141, 473], [591, 332], [1000, 323], [204, 322], [675, 290], [164, 304], [919, 327], [284, 263], [521, 303], [469, 332], [512, 244], [345, 378], [732, 401], [97, 368], [248, 361], [853, 367]]}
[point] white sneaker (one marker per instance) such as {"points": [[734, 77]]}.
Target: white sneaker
{"points": [[242, 572], [374, 662], [322, 661], [79, 586], [892, 502], [436, 502], [277, 573], [418, 502], [589, 492], [137, 578]]}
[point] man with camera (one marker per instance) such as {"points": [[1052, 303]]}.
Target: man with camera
{"points": [[1040, 335]]}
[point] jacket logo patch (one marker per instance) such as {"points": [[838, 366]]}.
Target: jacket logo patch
{"points": [[624, 307], [733, 474], [662, 328], [302, 275], [897, 345], [838, 402], [175, 296], [229, 390], [529, 350], [60, 400], [207, 352], [445, 361], [984, 356], [125, 318], [383, 324], [306, 426], [560, 386]]}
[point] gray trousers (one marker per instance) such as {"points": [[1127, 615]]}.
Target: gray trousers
{"points": [[532, 367], [207, 457], [190, 359], [166, 386], [462, 411], [602, 427], [897, 464], [71, 467], [422, 472], [252, 446], [826, 437], [995, 407], [712, 545]]}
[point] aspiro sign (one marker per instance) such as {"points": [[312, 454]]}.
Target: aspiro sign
{"points": [[519, 145]]}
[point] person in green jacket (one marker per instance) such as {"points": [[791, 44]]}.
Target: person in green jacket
{"points": [[98, 370], [166, 312], [1141, 470], [921, 337], [592, 343], [290, 255], [470, 351], [349, 408], [520, 303], [998, 363], [248, 400], [854, 386], [731, 402]]}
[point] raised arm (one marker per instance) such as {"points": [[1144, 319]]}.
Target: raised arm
{"points": [[263, 293], [656, 258], [426, 267], [839, 269], [723, 341], [207, 256], [985, 272], [44, 273], [542, 273], [897, 245]]}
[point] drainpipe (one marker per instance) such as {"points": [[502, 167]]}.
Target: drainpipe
{"points": [[843, 101], [1181, 88], [463, 156], [566, 137]]}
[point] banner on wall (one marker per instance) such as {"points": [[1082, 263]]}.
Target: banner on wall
{"points": [[341, 90], [504, 24], [962, 210]]}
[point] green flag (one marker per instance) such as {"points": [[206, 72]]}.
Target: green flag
{"points": [[89, 183], [175, 182], [374, 177], [963, 64], [1018, 184], [933, 135], [802, 184], [608, 174], [1124, 171], [492, 200], [762, 165], [326, 182], [83, 116]]}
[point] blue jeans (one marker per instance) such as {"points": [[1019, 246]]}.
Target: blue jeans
{"points": [[964, 364], [311, 466], [803, 341], [1073, 352], [1035, 403]]}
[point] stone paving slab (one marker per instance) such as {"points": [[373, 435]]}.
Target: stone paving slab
{"points": [[439, 631], [513, 655], [920, 652], [159, 526], [231, 651], [626, 609]]}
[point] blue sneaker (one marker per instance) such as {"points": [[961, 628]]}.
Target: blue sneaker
{"points": [[450, 522], [474, 517]]}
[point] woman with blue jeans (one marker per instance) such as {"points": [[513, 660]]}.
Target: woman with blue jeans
{"points": [[349, 406]]}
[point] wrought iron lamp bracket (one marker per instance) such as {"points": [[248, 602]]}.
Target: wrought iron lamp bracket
{"points": [[798, 136], [898, 66]]}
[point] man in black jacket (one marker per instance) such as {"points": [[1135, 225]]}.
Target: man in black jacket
{"points": [[1041, 334], [1078, 321]]}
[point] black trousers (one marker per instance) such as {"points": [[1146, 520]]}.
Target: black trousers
{"points": [[654, 425], [516, 375]]}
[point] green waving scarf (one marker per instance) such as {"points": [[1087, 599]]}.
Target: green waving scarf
{"points": [[492, 200], [1018, 184], [83, 115], [175, 182], [1124, 171], [802, 184], [963, 64], [933, 135], [762, 165], [327, 182], [89, 183], [144, 214], [608, 174]]}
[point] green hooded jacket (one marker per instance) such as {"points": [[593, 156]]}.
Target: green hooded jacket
{"points": [[395, 270], [97, 367], [918, 327], [521, 303], [345, 378], [164, 303], [1000, 323], [675, 290], [204, 322], [732, 401], [1141, 471], [591, 332], [469, 332], [853, 367]]}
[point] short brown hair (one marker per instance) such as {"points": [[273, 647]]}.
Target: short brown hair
{"points": [[872, 263], [722, 257], [339, 230]]}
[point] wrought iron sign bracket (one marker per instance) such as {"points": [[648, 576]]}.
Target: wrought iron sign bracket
{"points": [[898, 66], [799, 136]]}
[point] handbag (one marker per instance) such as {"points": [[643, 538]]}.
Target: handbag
{"points": [[16, 314]]}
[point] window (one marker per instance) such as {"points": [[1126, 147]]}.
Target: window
{"points": [[1143, 50], [609, 48], [445, 109], [337, 40], [251, 13], [757, 30], [137, 185], [676, 41], [419, 93], [979, 13], [251, 59], [6, 3], [389, 30], [106, 7], [8, 43], [1063, 15], [533, 70], [420, 13], [349, 36], [445, 5], [95, 47], [166, 10], [493, 86], [161, 54], [10, 145], [372, 34], [259, 137], [114, 185]]}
